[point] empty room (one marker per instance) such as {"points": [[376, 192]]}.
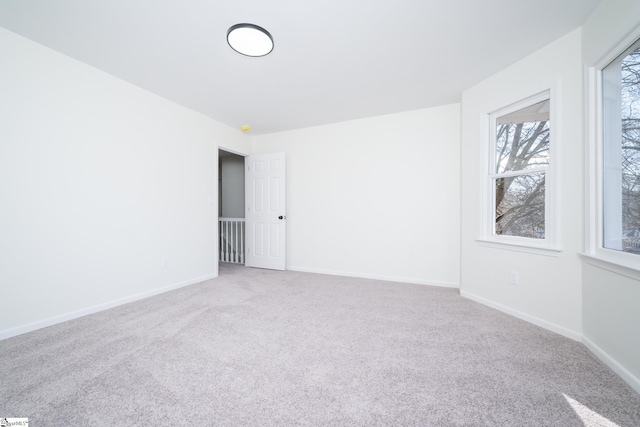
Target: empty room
{"points": [[336, 213]]}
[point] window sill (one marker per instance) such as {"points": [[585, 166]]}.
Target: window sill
{"points": [[615, 266], [519, 247]]}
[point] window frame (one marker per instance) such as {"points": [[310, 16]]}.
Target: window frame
{"points": [[595, 252], [488, 237]]}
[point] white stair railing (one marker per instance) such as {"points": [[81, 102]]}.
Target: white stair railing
{"points": [[231, 232]]}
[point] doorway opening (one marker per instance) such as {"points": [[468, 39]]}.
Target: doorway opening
{"points": [[231, 211]]}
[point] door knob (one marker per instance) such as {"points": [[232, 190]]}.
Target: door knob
{"points": [[280, 217]]}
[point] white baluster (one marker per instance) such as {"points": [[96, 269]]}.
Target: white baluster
{"points": [[226, 239], [241, 243]]}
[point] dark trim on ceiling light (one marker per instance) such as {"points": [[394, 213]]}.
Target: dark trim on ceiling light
{"points": [[253, 27]]}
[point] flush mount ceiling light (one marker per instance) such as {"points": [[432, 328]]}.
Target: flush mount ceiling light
{"points": [[250, 40]]}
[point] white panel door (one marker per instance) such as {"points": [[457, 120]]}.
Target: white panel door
{"points": [[265, 215]]}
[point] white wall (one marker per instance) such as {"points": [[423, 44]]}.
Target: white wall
{"points": [[611, 309], [232, 188], [99, 182], [376, 197], [611, 313], [549, 292]]}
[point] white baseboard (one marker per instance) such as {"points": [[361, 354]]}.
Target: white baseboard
{"points": [[375, 277], [627, 376], [524, 316], [29, 327]]}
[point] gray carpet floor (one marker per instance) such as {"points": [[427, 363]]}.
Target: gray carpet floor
{"points": [[267, 348]]}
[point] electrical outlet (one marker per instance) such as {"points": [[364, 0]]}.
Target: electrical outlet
{"points": [[165, 262], [513, 277]]}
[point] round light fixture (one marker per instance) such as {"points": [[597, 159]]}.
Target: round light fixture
{"points": [[250, 40]]}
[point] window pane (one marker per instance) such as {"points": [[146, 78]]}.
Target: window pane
{"points": [[520, 205], [522, 138], [621, 82]]}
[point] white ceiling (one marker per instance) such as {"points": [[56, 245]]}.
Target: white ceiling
{"points": [[333, 60]]}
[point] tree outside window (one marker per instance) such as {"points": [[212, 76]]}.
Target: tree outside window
{"points": [[521, 158], [621, 198]]}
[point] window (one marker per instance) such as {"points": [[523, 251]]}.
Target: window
{"points": [[621, 152], [519, 174]]}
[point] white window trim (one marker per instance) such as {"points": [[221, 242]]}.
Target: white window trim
{"points": [[594, 251], [521, 247], [549, 245]]}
